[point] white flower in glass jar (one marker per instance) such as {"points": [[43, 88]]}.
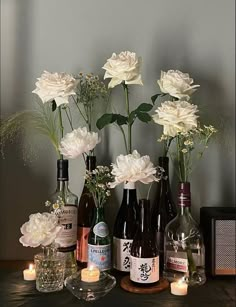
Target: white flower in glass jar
{"points": [[41, 229], [77, 142], [55, 86], [133, 168], [177, 84], [124, 67], [176, 117]]}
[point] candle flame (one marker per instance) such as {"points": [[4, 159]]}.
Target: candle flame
{"points": [[31, 267]]}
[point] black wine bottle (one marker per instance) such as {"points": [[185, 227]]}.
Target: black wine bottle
{"points": [[124, 229], [164, 209], [144, 257], [85, 218]]}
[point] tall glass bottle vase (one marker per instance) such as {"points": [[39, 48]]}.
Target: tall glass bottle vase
{"points": [[184, 248], [124, 229], [164, 209], [144, 257], [99, 242], [85, 218], [67, 217]]}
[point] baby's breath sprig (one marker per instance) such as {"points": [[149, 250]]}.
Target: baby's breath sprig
{"points": [[57, 206], [89, 89], [97, 183]]}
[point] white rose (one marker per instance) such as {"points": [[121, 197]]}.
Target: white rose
{"points": [[176, 117], [132, 168], [123, 67], [55, 86], [41, 229], [177, 84], [78, 142]]}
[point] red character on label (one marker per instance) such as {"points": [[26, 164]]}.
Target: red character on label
{"points": [[103, 258]]}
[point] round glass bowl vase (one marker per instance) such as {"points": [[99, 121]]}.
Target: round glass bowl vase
{"points": [[90, 291]]}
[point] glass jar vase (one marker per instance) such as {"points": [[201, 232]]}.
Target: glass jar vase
{"points": [[50, 269]]}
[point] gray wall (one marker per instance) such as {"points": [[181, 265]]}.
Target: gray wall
{"points": [[61, 35]]}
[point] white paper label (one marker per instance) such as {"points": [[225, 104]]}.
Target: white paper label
{"points": [[68, 219], [121, 253], [144, 270], [100, 256], [177, 261]]}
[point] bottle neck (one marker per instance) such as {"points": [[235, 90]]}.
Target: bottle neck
{"points": [[144, 215], [164, 163], [184, 198], [90, 163], [99, 214], [62, 185], [129, 194]]}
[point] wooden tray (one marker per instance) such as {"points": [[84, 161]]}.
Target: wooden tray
{"points": [[127, 285]]}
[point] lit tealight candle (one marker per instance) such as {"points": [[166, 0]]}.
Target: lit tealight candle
{"points": [[179, 287], [29, 274], [90, 274]]}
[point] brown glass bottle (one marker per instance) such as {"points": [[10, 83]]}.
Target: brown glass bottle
{"points": [[144, 270], [85, 218], [164, 209]]}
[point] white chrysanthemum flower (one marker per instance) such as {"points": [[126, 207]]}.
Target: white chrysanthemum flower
{"points": [[55, 86], [41, 229], [77, 142], [176, 117], [133, 168], [177, 84], [123, 67]]}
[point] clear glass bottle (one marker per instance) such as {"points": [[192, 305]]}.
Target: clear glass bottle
{"points": [[144, 270], [99, 242], [184, 250], [85, 218], [67, 218], [124, 229], [164, 209]]}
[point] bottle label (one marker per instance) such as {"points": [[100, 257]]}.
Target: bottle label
{"points": [[144, 270], [177, 262], [100, 256], [82, 244], [68, 235], [121, 253], [101, 230]]}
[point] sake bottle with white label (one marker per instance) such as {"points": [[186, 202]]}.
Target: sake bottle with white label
{"points": [[99, 242], [66, 240], [125, 228], [144, 270], [184, 251]]}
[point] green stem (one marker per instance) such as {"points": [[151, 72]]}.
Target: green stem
{"points": [[61, 126], [69, 119], [128, 114], [86, 120], [123, 133]]}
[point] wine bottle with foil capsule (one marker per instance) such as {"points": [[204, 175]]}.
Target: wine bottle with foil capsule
{"points": [[144, 270], [85, 218], [125, 228], [164, 209], [66, 240]]}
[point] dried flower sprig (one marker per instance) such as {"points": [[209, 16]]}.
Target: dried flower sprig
{"points": [[97, 183]]}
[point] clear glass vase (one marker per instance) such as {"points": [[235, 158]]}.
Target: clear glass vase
{"points": [[50, 269]]}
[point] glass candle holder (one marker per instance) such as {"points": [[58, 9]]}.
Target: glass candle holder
{"points": [[50, 270]]}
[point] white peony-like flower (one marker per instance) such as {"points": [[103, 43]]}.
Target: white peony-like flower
{"points": [[41, 229], [177, 84], [176, 117], [123, 67], [77, 142], [133, 168], [55, 86]]}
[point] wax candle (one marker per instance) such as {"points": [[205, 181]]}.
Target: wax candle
{"points": [[179, 288], [29, 274], [90, 274]]}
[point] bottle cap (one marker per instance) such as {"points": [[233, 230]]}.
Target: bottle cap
{"points": [[62, 170]]}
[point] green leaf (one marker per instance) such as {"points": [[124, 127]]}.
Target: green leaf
{"points": [[144, 107], [144, 117], [121, 120], [105, 120], [54, 105], [154, 97], [132, 116]]}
